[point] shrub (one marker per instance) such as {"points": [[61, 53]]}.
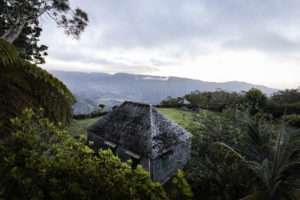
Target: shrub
{"points": [[210, 179], [293, 120], [181, 189], [40, 161]]}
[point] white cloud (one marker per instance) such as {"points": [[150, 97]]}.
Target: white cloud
{"points": [[223, 40]]}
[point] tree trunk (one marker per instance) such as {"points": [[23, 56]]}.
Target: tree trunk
{"points": [[12, 33]]}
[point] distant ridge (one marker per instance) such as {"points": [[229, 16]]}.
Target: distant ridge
{"points": [[94, 88]]}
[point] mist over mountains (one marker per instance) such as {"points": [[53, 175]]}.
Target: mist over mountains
{"points": [[91, 89]]}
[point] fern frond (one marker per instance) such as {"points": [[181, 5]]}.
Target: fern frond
{"points": [[221, 150], [23, 84]]}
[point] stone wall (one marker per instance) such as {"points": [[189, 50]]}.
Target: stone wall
{"points": [[179, 156]]}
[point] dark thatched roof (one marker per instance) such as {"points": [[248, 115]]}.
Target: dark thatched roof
{"points": [[140, 128]]}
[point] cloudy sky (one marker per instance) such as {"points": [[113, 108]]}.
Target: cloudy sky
{"points": [[256, 41]]}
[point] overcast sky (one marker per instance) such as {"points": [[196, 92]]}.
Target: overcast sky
{"points": [[256, 41]]}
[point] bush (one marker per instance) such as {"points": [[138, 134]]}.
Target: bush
{"points": [[181, 189], [210, 179], [293, 120], [40, 161]]}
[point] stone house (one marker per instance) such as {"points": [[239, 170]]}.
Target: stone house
{"points": [[139, 132]]}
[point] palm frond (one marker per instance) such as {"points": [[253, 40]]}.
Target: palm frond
{"points": [[289, 149], [229, 155], [255, 143], [246, 171], [291, 170]]}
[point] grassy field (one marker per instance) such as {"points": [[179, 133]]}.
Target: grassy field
{"points": [[79, 127], [181, 117]]}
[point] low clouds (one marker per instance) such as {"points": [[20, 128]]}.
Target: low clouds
{"points": [[104, 65], [265, 42], [160, 23], [162, 37]]}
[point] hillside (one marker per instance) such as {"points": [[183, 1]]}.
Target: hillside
{"points": [[91, 89]]}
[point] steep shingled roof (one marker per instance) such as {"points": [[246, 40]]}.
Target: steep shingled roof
{"points": [[140, 128]]}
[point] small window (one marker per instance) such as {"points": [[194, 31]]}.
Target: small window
{"points": [[135, 163], [112, 146], [165, 162], [135, 158]]}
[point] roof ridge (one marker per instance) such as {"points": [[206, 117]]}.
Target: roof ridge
{"points": [[149, 134]]}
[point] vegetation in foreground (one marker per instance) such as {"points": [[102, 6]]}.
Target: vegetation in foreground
{"points": [[252, 142], [41, 161], [217, 171]]}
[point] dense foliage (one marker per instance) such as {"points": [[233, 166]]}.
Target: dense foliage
{"points": [[181, 189], [278, 104], [292, 120], [27, 42], [40, 161], [23, 84], [20, 25], [254, 137], [279, 179], [284, 102]]}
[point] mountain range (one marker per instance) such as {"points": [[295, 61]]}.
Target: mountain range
{"points": [[91, 89]]}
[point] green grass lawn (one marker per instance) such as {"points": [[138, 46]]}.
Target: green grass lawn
{"points": [[79, 127], [181, 117]]}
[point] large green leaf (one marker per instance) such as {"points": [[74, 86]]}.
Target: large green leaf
{"points": [[23, 84]]}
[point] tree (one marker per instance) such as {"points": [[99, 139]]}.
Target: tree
{"points": [[268, 181], [23, 84], [256, 99], [286, 96], [102, 106], [28, 47], [19, 23], [41, 161]]}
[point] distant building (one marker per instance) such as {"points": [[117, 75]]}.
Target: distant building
{"points": [[184, 102], [139, 132]]}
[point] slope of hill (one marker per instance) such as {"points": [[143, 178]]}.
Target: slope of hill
{"points": [[113, 89]]}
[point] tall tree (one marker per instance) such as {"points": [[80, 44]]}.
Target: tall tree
{"points": [[256, 99], [19, 23]]}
